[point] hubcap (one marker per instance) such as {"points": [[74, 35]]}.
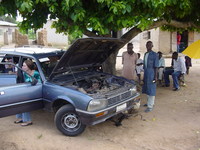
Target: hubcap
{"points": [[71, 121]]}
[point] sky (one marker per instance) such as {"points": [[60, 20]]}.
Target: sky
{"points": [[19, 17]]}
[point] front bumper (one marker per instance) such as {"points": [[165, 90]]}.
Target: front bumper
{"points": [[92, 118]]}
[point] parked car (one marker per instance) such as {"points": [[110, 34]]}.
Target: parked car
{"points": [[76, 89]]}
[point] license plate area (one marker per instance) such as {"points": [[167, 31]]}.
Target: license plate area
{"points": [[121, 107]]}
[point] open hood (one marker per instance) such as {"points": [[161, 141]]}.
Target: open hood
{"points": [[87, 52]]}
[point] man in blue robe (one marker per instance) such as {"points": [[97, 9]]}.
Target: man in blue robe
{"points": [[151, 63]]}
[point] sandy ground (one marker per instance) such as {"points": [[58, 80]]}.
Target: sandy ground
{"points": [[174, 124]]}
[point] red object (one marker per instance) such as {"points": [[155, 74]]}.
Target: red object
{"points": [[178, 39]]}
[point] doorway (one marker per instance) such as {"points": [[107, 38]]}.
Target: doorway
{"points": [[182, 41]]}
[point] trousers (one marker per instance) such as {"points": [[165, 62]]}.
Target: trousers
{"points": [[24, 116], [175, 75], [150, 101]]}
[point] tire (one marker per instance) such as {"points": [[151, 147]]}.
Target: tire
{"points": [[67, 121]]}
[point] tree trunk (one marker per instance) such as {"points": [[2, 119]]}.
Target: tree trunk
{"points": [[109, 64]]}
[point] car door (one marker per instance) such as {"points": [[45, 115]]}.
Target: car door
{"points": [[18, 97]]}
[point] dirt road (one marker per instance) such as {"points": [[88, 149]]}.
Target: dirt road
{"points": [[174, 124]]}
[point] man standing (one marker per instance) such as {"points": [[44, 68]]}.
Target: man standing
{"points": [[150, 75], [178, 64], [129, 59]]}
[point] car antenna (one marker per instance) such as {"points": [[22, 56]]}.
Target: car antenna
{"points": [[73, 74]]}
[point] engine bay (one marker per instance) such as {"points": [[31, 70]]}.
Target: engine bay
{"points": [[98, 85]]}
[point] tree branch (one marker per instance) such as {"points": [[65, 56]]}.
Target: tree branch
{"points": [[90, 33], [173, 23], [131, 34], [135, 30]]}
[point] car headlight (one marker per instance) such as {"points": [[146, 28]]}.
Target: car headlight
{"points": [[97, 104], [133, 90]]}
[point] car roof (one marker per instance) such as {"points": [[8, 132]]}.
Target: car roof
{"points": [[38, 52]]}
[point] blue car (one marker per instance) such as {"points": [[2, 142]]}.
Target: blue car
{"points": [[73, 84]]}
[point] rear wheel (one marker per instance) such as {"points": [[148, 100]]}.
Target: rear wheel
{"points": [[67, 121]]}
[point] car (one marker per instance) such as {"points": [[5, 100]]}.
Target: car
{"points": [[76, 88]]}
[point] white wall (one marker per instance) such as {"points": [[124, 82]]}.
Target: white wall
{"points": [[53, 37], [8, 30]]}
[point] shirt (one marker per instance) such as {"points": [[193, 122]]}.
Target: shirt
{"points": [[36, 75], [161, 62], [179, 65], [146, 58]]}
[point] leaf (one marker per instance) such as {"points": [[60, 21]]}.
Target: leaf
{"points": [[100, 1], [128, 8]]}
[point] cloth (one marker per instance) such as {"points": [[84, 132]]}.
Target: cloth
{"points": [[160, 73], [160, 70], [36, 75], [188, 62], [161, 62], [129, 63], [150, 101], [179, 65], [175, 76], [139, 68], [145, 59], [26, 117], [178, 39], [150, 64]]}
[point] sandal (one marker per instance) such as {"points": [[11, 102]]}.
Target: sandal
{"points": [[26, 124], [18, 121]]}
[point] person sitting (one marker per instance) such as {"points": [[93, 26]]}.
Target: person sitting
{"points": [[160, 68], [28, 67], [179, 68], [9, 68], [139, 68], [188, 63]]}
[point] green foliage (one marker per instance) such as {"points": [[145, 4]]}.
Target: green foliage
{"points": [[100, 17], [31, 34]]}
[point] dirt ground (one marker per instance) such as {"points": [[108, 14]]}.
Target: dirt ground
{"points": [[174, 124]]}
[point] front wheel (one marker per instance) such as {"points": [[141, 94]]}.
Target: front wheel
{"points": [[67, 121]]}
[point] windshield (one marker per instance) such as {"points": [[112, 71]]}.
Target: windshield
{"points": [[48, 63]]}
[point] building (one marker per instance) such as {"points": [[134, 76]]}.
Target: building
{"points": [[53, 38], [166, 41], [7, 32]]}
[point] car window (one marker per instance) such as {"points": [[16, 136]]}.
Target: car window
{"points": [[11, 70], [48, 63], [7, 74], [8, 68]]}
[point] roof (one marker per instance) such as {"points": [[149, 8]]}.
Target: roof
{"points": [[38, 52], [4, 23], [31, 49]]}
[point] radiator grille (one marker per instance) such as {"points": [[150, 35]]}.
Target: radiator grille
{"points": [[119, 98]]}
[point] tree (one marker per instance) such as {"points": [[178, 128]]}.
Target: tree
{"points": [[106, 17]]}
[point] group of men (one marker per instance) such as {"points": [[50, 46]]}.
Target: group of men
{"points": [[154, 68]]}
